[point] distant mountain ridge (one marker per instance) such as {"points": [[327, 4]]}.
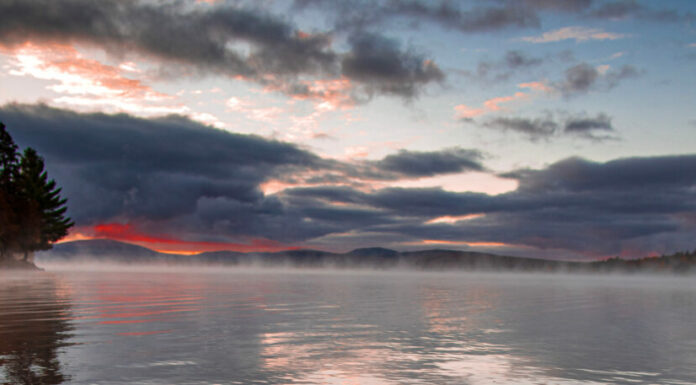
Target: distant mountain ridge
{"points": [[104, 250]]}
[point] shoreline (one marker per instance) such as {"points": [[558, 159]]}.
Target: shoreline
{"points": [[13, 264]]}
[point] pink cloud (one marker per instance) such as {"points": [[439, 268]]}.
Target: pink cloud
{"points": [[84, 83], [579, 34], [536, 86], [462, 111]]}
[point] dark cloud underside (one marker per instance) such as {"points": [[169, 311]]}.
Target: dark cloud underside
{"points": [[174, 176], [432, 163]]}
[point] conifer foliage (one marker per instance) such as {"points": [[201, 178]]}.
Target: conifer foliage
{"points": [[32, 212]]}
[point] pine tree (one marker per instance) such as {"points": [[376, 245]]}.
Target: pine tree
{"points": [[32, 213], [9, 225], [43, 210]]}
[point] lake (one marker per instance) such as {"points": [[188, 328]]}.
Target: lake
{"points": [[232, 326]]}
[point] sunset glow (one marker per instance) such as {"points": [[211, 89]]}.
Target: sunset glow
{"points": [[279, 125]]}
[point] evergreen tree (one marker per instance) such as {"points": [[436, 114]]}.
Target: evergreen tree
{"points": [[9, 225], [43, 210], [32, 213]]}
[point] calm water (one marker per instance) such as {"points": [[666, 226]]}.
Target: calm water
{"points": [[245, 327]]}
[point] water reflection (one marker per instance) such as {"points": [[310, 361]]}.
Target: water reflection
{"points": [[348, 328], [33, 329]]}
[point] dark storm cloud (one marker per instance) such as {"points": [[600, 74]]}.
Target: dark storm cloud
{"points": [[185, 179], [414, 163], [220, 39], [551, 126], [384, 67], [177, 177], [582, 78], [576, 174], [113, 165], [572, 206]]}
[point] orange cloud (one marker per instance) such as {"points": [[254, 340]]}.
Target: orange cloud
{"points": [[493, 104], [454, 219], [462, 111], [81, 82], [75, 74], [536, 86], [579, 34], [127, 233], [463, 243]]}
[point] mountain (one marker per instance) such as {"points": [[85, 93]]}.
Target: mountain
{"points": [[102, 250], [375, 257]]}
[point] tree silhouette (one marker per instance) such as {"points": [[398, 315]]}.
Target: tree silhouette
{"points": [[32, 213], [9, 225], [43, 214]]}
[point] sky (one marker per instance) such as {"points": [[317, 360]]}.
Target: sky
{"points": [[540, 128]]}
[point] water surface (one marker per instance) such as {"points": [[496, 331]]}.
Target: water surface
{"points": [[294, 327]]}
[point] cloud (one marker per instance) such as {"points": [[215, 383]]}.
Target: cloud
{"points": [[184, 185], [119, 165], [643, 173], [500, 70], [552, 126], [587, 125], [419, 164], [567, 5], [464, 112], [616, 9], [579, 34], [476, 19], [360, 15], [533, 128], [165, 30], [536, 86], [194, 183], [583, 77], [579, 78], [244, 43], [572, 207], [383, 67], [88, 84], [623, 9], [491, 105]]}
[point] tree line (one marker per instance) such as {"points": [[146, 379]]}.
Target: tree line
{"points": [[32, 212]]}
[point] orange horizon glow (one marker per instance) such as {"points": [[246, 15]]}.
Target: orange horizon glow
{"points": [[126, 233]]}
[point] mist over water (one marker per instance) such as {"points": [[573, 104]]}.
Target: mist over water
{"points": [[244, 326]]}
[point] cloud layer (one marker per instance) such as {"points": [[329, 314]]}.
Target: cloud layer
{"points": [[198, 184], [240, 42]]}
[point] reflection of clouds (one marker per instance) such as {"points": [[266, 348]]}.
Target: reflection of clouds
{"points": [[359, 328], [134, 307], [448, 311]]}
